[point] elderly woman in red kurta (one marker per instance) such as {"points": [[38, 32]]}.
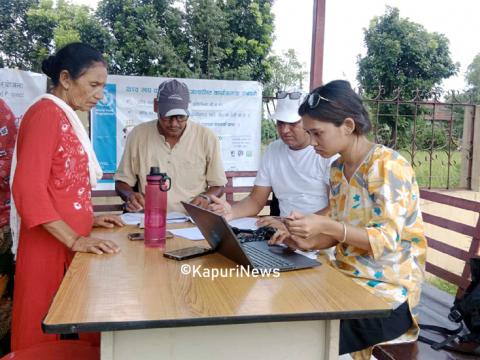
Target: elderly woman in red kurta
{"points": [[53, 172]]}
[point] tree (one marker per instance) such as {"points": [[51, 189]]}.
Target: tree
{"points": [[286, 72], [15, 45], [51, 28], [32, 30], [250, 32], [206, 28], [214, 39], [472, 78], [402, 54], [142, 33]]}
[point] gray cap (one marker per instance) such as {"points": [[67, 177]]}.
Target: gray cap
{"points": [[173, 97]]}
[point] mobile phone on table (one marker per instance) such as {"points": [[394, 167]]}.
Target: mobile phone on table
{"points": [[187, 253], [135, 236], [140, 236]]}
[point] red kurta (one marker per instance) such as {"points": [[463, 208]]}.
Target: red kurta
{"points": [[51, 183]]}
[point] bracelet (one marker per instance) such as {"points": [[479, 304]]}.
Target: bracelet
{"points": [[206, 197], [344, 233], [75, 241]]}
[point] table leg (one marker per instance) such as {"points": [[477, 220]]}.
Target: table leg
{"points": [[316, 339]]}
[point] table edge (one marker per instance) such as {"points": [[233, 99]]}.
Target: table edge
{"points": [[204, 321]]}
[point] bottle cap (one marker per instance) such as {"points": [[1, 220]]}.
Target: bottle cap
{"points": [[155, 170]]}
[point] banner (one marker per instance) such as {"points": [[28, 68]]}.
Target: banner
{"points": [[18, 88], [232, 109]]}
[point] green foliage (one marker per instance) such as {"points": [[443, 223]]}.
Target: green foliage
{"points": [[473, 73], [31, 30], [287, 72], [472, 78], [250, 33], [214, 39], [15, 45], [207, 30], [141, 32], [269, 131], [402, 54]]}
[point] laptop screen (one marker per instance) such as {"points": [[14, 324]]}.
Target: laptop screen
{"points": [[218, 233]]}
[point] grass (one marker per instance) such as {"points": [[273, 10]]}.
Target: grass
{"points": [[442, 285], [439, 171]]}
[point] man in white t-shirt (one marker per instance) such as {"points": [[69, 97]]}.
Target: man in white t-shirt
{"points": [[290, 168]]}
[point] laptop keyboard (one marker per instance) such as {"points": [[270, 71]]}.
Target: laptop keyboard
{"points": [[261, 234], [265, 259]]}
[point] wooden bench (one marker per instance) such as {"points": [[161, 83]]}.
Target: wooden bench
{"points": [[106, 200], [109, 201], [419, 350]]}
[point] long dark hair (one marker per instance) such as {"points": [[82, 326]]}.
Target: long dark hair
{"points": [[76, 58], [333, 103]]}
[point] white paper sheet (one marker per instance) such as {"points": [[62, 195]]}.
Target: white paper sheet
{"points": [[192, 233], [132, 218], [244, 223], [310, 254]]}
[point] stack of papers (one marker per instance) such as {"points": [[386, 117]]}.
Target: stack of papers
{"points": [[176, 217], [139, 218]]}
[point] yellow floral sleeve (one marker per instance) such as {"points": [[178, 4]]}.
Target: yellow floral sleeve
{"points": [[382, 197]]}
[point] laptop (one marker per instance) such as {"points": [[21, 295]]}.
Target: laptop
{"points": [[256, 254]]}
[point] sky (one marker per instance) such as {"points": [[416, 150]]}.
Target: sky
{"points": [[346, 19]]}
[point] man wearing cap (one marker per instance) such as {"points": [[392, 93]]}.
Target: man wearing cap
{"points": [[188, 152], [290, 168]]}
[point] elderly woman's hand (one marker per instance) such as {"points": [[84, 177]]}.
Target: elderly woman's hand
{"points": [[89, 244], [107, 221]]}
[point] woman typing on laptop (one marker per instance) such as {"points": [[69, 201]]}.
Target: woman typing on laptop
{"points": [[374, 219]]}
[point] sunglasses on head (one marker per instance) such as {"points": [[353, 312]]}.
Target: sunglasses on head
{"points": [[313, 100], [292, 95]]}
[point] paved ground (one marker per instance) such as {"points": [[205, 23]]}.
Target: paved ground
{"points": [[452, 238]]}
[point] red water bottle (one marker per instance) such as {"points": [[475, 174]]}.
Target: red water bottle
{"points": [[156, 208]]}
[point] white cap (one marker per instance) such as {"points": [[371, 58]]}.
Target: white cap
{"points": [[287, 109]]}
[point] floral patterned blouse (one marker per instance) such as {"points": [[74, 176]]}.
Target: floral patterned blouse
{"points": [[382, 197], [8, 134]]}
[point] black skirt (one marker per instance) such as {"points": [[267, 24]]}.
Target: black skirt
{"points": [[359, 334]]}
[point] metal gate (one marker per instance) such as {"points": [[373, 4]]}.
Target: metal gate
{"points": [[435, 136]]}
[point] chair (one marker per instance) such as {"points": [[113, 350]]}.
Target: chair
{"points": [[57, 350]]}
